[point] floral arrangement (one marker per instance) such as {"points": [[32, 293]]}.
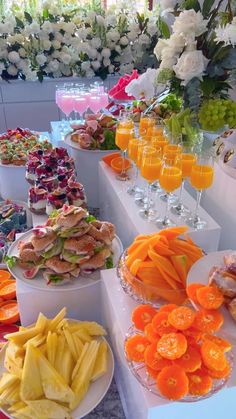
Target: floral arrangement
{"points": [[75, 42], [198, 55], [96, 133]]}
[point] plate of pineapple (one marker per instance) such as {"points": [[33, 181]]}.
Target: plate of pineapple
{"points": [[55, 369]]}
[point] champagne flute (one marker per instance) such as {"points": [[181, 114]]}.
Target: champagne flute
{"points": [[150, 171], [133, 155], [123, 136], [140, 199], [170, 152], [158, 142], [187, 161], [201, 178], [170, 180], [146, 121]]}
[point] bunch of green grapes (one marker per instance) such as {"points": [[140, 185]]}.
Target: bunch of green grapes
{"points": [[216, 113]]}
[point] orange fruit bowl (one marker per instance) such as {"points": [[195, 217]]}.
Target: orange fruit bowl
{"points": [[4, 275], [8, 289], [9, 312], [117, 163]]}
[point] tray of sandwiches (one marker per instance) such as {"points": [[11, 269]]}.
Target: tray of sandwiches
{"points": [[70, 249]]}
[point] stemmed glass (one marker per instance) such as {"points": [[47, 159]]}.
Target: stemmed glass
{"points": [[170, 152], [133, 154], [158, 142], [123, 135], [140, 198], [187, 161], [170, 180], [201, 178], [146, 121], [150, 171]]}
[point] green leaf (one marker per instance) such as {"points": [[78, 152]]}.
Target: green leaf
{"points": [[98, 249], [109, 263], [191, 4], [19, 23], [164, 28], [10, 261], [109, 142], [206, 7], [54, 213], [28, 17], [90, 218]]}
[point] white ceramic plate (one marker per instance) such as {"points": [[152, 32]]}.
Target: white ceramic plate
{"points": [[39, 282], [95, 394], [199, 273]]}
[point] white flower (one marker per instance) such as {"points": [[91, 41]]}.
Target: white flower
{"points": [[46, 45], [56, 54], [227, 33], [113, 35], [124, 40], [56, 44], [96, 65], [65, 58], [69, 27], [118, 49], [168, 4], [32, 29], [160, 46], [43, 35], [111, 20], [53, 66], [168, 63], [23, 65], [106, 52], [132, 35], [100, 20], [12, 70], [82, 33], [111, 68], [106, 62], [96, 42], [47, 27], [190, 22], [3, 53], [58, 36], [190, 64], [92, 53], [41, 59], [99, 57], [2, 67], [13, 57], [89, 73], [144, 39], [85, 65], [65, 69], [152, 28], [91, 15], [176, 42], [126, 68], [22, 52]]}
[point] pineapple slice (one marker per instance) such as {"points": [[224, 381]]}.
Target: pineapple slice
{"points": [[71, 344], [61, 326], [17, 406], [78, 345], [31, 386], [21, 337], [49, 409], [92, 328], [100, 367], [66, 366], [61, 341], [25, 413], [51, 347], [35, 341], [57, 319], [42, 323], [80, 360], [11, 367], [10, 395], [81, 382], [53, 383], [7, 380], [83, 335]]}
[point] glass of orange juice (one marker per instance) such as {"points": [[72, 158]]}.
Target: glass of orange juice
{"points": [[133, 155], [140, 194], [170, 180], [187, 159], [146, 122], [150, 171], [123, 135], [170, 153], [201, 178]]}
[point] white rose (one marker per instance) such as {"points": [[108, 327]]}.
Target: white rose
{"points": [[58, 36], [168, 4], [96, 42], [126, 68], [13, 57], [106, 52], [106, 62], [132, 35], [152, 28], [56, 54], [47, 45], [111, 68], [168, 63], [22, 52], [65, 58], [43, 35], [92, 53], [53, 66], [3, 53], [47, 27], [23, 65], [134, 27], [100, 20], [19, 38], [190, 22], [65, 69], [85, 65], [144, 39], [177, 42], [56, 44], [67, 38], [41, 59], [91, 15], [124, 40], [69, 27], [113, 36], [96, 65], [160, 46], [111, 20], [2, 67], [89, 73], [32, 29], [12, 70], [190, 64]]}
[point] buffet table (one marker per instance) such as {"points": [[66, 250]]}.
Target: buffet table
{"points": [[119, 208]]}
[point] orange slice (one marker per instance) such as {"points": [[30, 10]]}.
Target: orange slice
{"points": [[181, 318], [191, 291], [117, 164], [208, 321], [152, 336], [153, 359], [161, 324], [200, 383], [135, 347], [8, 290], [142, 315], [224, 344], [210, 297], [167, 308], [213, 357], [225, 373], [172, 382], [151, 372], [4, 275], [172, 345], [9, 312], [190, 361]]}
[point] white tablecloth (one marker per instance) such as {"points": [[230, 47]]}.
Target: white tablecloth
{"points": [[119, 207]]}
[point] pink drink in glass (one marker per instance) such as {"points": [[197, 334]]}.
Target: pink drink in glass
{"points": [[66, 104], [104, 99], [80, 105], [95, 103]]}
